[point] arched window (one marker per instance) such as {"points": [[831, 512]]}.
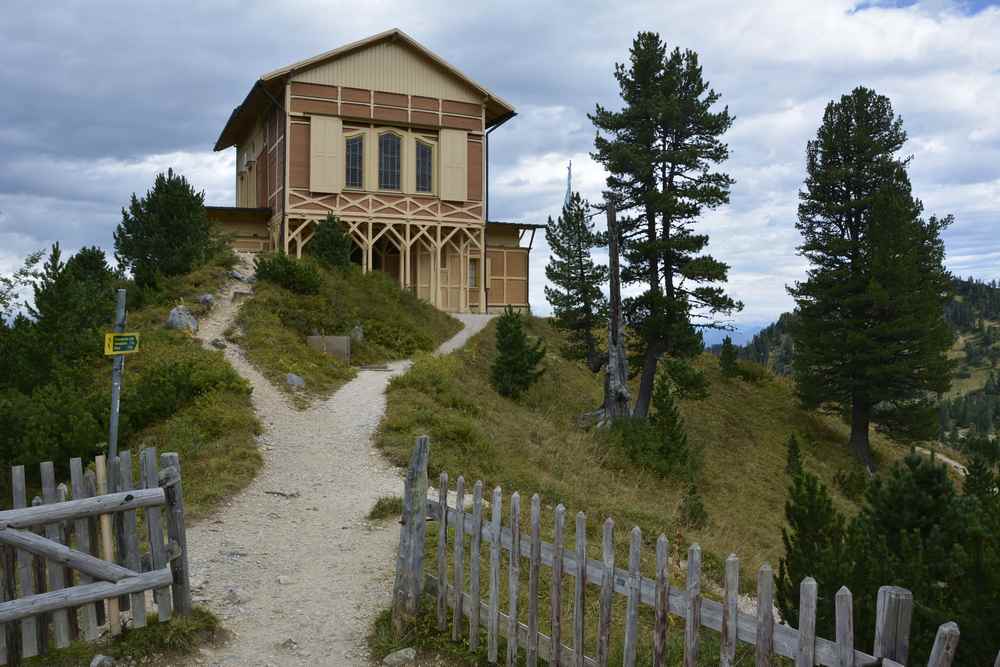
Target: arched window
{"points": [[388, 161], [425, 156]]}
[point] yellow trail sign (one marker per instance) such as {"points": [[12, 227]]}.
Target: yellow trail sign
{"points": [[120, 343]]}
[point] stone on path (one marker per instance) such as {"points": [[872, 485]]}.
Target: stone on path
{"points": [[295, 381], [404, 656], [206, 300], [180, 318]]}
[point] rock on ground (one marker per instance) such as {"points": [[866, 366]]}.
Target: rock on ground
{"points": [[405, 656], [180, 318]]}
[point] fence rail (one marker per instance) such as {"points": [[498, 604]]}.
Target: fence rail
{"points": [[470, 613], [74, 561]]}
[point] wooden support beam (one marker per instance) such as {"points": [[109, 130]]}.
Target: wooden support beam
{"points": [[81, 595], [65, 556], [78, 509]]}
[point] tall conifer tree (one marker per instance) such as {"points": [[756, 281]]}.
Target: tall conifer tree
{"points": [[870, 339], [577, 302], [660, 151]]}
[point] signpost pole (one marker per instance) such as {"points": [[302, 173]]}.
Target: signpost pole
{"points": [[116, 390]]}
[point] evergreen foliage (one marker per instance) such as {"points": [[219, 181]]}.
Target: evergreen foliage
{"points": [[692, 510], [515, 367], [660, 150], [295, 275], [330, 244], [578, 305], [667, 420], [913, 531], [727, 358], [980, 482], [166, 232], [870, 339], [793, 464]]}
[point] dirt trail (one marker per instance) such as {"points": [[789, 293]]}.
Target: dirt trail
{"points": [[291, 564]]}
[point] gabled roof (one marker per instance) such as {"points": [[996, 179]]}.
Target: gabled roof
{"points": [[497, 109]]}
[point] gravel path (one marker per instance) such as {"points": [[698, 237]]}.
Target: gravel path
{"points": [[298, 578]]}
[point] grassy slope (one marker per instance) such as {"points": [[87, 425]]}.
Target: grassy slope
{"points": [[274, 324], [534, 445], [215, 432]]}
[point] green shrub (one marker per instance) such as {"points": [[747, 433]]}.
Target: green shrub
{"points": [[515, 367], [166, 232], [851, 482], [793, 464], [751, 372], [330, 244], [692, 512], [727, 358], [295, 275]]}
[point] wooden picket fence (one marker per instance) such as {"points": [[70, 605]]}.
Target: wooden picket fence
{"points": [[470, 612], [81, 528]]}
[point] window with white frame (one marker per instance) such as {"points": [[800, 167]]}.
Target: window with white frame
{"points": [[425, 167], [389, 161], [354, 154]]}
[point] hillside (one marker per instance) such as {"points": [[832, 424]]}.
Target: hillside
{"points": [[395, 324], [536, 445]]}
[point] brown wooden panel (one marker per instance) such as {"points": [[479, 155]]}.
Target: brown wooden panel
{"points": [[391, 99], [462, 123], [496, 293], [517, 292], [314, 106], [424, 118], [394, 115], [450, 106], [298, 161], [427, 103], [355, 94], [356, 110], [261, 167], [517, 264], [314, 90], [475, 171]]}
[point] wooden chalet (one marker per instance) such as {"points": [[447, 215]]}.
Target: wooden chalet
{"points": [[394, 141]]}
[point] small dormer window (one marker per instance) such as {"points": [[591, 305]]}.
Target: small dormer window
{"points": [[389, 145]]}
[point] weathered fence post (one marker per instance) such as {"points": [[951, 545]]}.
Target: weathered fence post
{"points": [[632, 607], [149, 463], [555, 597], [807, 623], [459, 562], [730, 612], [12, 630], [945, 645], [692, 623], [176, 532], [580, 587], [845, 627], [29, 636], [409, 564], [493, 622], [442, 554], [607, 593], [893, 613], [765, 616]]}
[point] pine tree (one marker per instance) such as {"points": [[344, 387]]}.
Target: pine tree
{"points": [[870, 339], [979, 480], [330, 244], [515, 367], [578, 305], [166, 232], [660, 150], [727, 359], [666, 417], [793, 463]]}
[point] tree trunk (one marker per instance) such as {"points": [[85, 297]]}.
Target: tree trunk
{"points": [[649, 362], [860, 421], [616, 394]]}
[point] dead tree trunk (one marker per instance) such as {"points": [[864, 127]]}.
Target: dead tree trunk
{"points": [[616, 394]]}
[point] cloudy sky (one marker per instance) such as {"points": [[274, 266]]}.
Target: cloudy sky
{"points": [[99, 96]]}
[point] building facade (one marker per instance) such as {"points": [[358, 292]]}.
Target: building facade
{"points": [[394, 141]]}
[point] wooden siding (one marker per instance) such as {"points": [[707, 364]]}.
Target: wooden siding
{"points": [[508, 276], [394, 68]]}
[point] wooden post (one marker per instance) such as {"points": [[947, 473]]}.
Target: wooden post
{"points": [[459, 563], [129, 525], [107, 542], [730, 612], [474, 549], [81, 528], [607, 593], [62, 495], [765, 616], [513, 578], [662, 601], [409, 570], [493, 622], [616, 394], [580, 587], [692, 623], [632, 609], [945, 645], [56, 574], [806, 656], [442, 554], [149, 464], [555, 595], [29, 637], [177, 533], [893, 613], [38, 567], [8, 592], [845, 628], [534, 563]]}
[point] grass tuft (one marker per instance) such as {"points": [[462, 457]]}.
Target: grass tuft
{"points": [[386, 507]]}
